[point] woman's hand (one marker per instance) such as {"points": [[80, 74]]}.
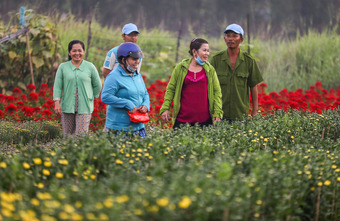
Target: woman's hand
{"points": [[57, 107], [166, 116], [133, 110], [216, 119], [143, 109]]}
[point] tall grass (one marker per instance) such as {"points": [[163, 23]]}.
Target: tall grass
{"points": [[290, 64], [302, 62]]}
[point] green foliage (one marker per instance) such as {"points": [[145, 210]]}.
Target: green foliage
{"points": [[289, 64], [301, 62], [28, 131], [276, 167], [14, 59]]}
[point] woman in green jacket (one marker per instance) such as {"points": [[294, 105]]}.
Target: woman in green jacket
{"points": [[76, 84], [194, 89]]}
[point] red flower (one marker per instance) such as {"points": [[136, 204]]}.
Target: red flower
{"points": [[36, 109], [46, 113], [11, 108], [20, 104], [11, 99], [50, 103], [42, 93], [23, 97], [30, 87], [318, 85], [95, 115], [157, 108], [28, 111], [43, 87], [16, 91], [33, 96], [46, 106]]}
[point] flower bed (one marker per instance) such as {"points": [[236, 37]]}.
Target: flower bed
{"points": [[38, 106], [282, 166]]}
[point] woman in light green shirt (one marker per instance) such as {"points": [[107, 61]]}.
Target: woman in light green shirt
{"points": [[76, 84]]}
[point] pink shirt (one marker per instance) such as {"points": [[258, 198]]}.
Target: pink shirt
{"points": [[194, 98]]}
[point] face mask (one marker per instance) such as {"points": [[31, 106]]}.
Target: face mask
{"points": [[128, 67], [199, 61]]}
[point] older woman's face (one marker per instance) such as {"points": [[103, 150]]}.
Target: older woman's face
{"points": [[133, 62], [203, 52], [77, 52]]}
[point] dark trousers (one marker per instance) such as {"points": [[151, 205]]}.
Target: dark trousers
{"points": [[205, 123]]}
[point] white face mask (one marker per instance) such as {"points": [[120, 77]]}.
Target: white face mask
{"points": [[128, 67]]}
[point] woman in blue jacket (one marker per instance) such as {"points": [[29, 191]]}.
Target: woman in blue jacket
{"points": [[124, 90]]}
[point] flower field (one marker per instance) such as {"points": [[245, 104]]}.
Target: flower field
{"points": [[282, 164], [38, 106]]}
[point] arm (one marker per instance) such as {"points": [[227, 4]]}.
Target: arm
{"points": [[254, 79], [146, 98], [169, 95], [57, 89], [96, 82], [170, 91], [105, 72], [109, 63], [254, 97], [108, 96], [218, 112]]}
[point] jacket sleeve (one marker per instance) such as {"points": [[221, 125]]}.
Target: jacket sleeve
{"points": [[58, 83], [218, 112], [96, 82], [170, 90], [108, 96]]}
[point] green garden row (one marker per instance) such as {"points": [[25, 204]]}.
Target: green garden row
{"points": [[275, 167]]}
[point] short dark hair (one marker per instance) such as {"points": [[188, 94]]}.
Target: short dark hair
{"points": [[196, 44], [73, 42]]}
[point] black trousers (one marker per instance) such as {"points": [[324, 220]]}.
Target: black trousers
{"points": [[205, 123]]}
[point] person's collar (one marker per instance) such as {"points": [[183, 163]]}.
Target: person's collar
{"points": [[81, 66], [240, 55], [123, 72]]}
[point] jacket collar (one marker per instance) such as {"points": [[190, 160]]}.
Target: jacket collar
{"points": [[186, 62], [81, 66], [225, 55], [122, 72]]}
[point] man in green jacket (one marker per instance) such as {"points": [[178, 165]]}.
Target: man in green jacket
{"points": [[238, 74]]}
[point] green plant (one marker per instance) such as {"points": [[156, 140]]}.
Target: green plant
{"points": [[14, 59]]}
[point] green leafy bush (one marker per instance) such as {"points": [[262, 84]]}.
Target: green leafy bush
{"points": [[29, 131], [283, 166], [14, 59]]}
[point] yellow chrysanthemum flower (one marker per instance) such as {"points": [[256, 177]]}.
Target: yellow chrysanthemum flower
{"points": [[185, 202], [164, 201]]}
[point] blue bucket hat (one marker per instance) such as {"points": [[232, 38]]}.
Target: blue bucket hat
{"points": [[128, 28], [235, 28]]}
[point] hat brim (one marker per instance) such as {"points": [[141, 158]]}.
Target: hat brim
{"points": [[131, 32], [136, 54]]}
